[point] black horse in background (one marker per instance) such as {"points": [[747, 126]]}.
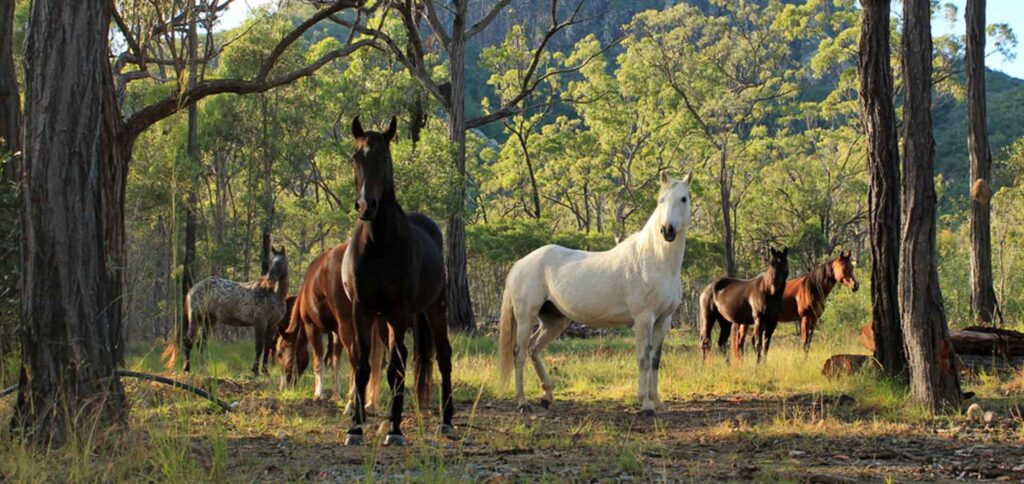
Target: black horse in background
{"points": [[394, 268]]}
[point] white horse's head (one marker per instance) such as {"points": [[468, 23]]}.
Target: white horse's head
{"points": [[674, 206]]}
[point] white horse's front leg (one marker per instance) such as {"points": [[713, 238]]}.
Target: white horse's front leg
{"points": [[661, 328], [644, 329]]}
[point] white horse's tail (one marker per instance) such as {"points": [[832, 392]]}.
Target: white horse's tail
{"points": [[506, 337]]}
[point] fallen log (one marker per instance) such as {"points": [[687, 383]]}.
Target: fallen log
{"points": [[975, 340]]}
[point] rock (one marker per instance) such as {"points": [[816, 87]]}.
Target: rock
{"points": [[988, 417]]}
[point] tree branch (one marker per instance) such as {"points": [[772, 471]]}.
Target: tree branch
{"points": [[492, 14], [149, 115]]}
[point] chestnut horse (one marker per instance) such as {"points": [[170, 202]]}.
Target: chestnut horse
{"points": [[804, 297], [393, 268], [323, 308], [736, 302]]}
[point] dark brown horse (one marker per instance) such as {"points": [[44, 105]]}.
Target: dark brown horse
{"points": [[322, 308], [737, 302], [804, 297], [393, 268]]}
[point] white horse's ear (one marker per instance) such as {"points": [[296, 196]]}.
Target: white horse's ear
{"points": [[688, 177], [664, 179]]}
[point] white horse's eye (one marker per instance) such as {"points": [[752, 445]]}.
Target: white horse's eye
{"points": [[684, 200]]}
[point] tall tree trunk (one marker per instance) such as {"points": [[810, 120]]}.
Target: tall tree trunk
{"points": [[76, 154], [268, 192], [10, 101], [982, 295], [189, 259], [727, 228], [460, 306], [934, 380], [879, 118]]}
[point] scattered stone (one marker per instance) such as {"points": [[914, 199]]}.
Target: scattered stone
{"points": [[797, 453], [988, 417]]}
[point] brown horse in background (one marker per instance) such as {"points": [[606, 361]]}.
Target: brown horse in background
{"points": [[804, 297], [323, 308], [737, 302]]}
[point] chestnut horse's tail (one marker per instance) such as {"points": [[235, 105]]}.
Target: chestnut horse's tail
{"points": [[506, 337], [423, 346], [181, 331], [380, 342]]}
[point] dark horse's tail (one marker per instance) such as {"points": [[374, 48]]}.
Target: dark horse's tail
{"points": [[423, 347]]}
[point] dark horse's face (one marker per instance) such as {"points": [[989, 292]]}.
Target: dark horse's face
{"points": [[278, 264], [842, 267], [372, 165], [778, 269]]}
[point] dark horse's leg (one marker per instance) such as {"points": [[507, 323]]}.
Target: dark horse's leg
{"points": [[769, 330], [259, 337], [437, 319], [807, 332], [725, 328], [359, 358], [396, 376]]}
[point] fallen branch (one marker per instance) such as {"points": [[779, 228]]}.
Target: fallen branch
{"points": [[227, 407]]}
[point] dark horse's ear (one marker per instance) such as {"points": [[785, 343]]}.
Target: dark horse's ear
{"points": [[846, 254], [357, 128], [785, 251], [392, 128]]}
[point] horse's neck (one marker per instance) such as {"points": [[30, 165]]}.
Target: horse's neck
{"points": [[281, 288], [666, 255], [389, 224], [828, 279]]}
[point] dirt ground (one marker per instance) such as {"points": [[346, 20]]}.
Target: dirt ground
{"points": [[737, 438]]}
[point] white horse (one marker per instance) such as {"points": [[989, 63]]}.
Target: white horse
{"points": [[635, 283]]}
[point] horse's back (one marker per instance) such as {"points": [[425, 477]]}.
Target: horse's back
{"points": [[584, 286]]}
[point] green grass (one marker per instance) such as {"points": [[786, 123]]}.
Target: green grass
{"points": [[175, 436]]}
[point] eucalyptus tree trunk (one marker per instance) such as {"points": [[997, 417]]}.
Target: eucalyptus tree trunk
{"points": [[934, 381], [983, 299], [725, 194], [10, 101], [76, 153], [191, 204], [879, 118], [460, 305]]}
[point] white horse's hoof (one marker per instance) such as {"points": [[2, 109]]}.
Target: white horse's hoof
{"points": [[523, 408], [647, 413], [353, 440], [396, 440]]}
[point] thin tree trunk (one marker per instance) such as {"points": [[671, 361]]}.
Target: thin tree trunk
{"points": [[268, 192], [982, 295], [725, 192], [189, 259], [76, 156], [10, 102], [934, 381], [460, 305], [879, 117]]}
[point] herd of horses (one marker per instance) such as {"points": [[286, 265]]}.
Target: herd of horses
{"points": [[389, 278]]}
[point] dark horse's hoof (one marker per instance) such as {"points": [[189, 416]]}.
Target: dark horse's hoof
{"points": [[647, 413], [397, 440], [446, 429], [523, 408], [354, 439], [545, 403]]}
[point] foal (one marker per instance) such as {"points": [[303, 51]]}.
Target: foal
{"points": [[394, 269]]}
